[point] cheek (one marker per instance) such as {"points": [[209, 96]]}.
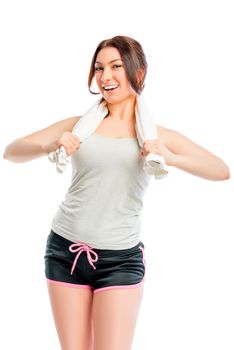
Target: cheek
{"points": [[97, 78], [98, 82], [129, 88], [125, 82]]}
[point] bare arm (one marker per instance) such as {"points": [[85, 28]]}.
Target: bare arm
{"points": [[41, 142], [189, 156]]}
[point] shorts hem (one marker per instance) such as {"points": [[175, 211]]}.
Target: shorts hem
{"points": [[129, 286], [66, 284]]}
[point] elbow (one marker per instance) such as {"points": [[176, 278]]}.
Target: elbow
{"points": [[7, 152], [225, 173], [4, 155], [8, 155], [221, 170]]}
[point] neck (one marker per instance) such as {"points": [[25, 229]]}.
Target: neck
{"points": [[123, 110]]}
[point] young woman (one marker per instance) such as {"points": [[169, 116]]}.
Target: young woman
{"points": [[94, 261]]}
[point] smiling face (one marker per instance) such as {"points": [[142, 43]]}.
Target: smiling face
{"points": [[111, 76]]}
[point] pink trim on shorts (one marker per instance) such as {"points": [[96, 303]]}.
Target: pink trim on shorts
{"points": [[130, 286], [143, 259], [72, 285], [143, 255]]}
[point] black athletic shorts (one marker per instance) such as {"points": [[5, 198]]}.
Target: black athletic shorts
{"points": [[79, 265]]}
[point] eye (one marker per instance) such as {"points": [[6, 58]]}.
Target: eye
{"points": [[117, 65], [98, 68]]}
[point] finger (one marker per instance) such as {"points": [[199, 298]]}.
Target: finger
{"points": [[68, 147], [75, 138], [75, 142], [69, 143]]}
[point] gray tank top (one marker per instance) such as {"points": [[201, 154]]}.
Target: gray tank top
{"points": [[103, 204]]}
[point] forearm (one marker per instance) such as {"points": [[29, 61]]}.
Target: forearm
{"points": [[20, 151], [211, 168]]}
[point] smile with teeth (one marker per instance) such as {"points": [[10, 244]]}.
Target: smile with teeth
{"points": [[110, 87]]}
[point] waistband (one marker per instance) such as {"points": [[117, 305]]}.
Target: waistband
{"points": [[92, 253], [103, 252]]}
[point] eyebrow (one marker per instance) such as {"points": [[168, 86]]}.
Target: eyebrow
{"points": [[117, 59]]}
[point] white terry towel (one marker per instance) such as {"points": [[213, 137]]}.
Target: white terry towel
{"points": [[145, 130]]}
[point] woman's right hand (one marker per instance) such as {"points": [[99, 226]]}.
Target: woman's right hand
{"points": [[69, 141]]}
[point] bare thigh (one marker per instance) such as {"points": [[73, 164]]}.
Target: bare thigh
{"points": [[115, 316], [71, 309]]}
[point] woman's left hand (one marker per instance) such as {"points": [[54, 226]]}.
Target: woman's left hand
{"points": [[158, 147]]}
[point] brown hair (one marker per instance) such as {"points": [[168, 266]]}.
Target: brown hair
{"points": [[133, 57]]}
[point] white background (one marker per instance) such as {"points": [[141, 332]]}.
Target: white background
{"points": [[46, 51]]}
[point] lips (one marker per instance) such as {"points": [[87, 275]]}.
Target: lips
{"points": [[110, 87]]}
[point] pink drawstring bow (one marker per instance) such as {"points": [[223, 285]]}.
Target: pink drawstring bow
{"points": [[80, 247]]}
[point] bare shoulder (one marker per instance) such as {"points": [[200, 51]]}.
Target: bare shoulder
{"points": [[171, 137], [164, 133], [66, 124], [161, 129], [52, 131], [179, 143]]}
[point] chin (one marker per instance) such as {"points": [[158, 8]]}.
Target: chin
{"points": [[112, 99], [116, 99]]}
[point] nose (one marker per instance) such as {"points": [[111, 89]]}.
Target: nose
{"points": [[106, 75]]}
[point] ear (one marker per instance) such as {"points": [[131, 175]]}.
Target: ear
{"points": [[140, 75]]}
